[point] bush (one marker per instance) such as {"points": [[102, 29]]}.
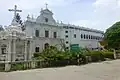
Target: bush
{"points": [[118, 51], [2, 67], [108, 54], [17, 66], [36, 54], [96, 56], [83, 56]]}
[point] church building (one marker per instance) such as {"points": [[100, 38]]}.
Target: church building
{"points": [[46, 31], [20, 40]]}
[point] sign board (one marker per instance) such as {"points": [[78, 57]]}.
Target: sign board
{"points": [[74, 47]]}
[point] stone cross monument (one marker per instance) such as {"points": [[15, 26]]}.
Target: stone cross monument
{"points": [[14, 22], [46, 5]]}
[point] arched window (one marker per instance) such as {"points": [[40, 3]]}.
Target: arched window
{"points": [[74, 35], [46, 19], [84, 36], [46, 45], [55, 34], [37, 33], [37, 49], [46, 33], [81, 36], [89, 36]]}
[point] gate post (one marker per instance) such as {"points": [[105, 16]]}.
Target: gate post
{"points": [[7, 66]]}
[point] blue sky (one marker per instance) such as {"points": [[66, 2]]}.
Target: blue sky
{"points": [[97, 14]]}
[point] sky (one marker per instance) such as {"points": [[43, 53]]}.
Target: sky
{"points": [[96, 14]]}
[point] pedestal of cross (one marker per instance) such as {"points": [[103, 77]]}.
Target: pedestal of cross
{"points": [[14, 22]]}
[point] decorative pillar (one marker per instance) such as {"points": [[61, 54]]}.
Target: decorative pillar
{"points": [[14, 50], [8, 60], [25, 53], [30, 50], [0, 50], [114, 54], [9, 51]]}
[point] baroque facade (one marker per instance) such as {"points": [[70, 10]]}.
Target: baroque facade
{"points": [[45, 30], [38, 34]]}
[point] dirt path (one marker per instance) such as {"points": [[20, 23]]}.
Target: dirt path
{"points": [[109, 70]]}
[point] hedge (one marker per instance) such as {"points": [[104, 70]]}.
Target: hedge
{"points": [[108, 54], [96, 56]]}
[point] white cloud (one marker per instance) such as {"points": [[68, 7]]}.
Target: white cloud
{"points": [[28, 7], [88, 23], [107, 12], [32, 4]]}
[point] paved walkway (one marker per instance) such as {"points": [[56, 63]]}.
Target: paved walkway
{"points": [[109, 70]]}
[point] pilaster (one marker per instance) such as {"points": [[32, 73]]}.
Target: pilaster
{"points": [[14, 49], [25, 53], [9, 51]]}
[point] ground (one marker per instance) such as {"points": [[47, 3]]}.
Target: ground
{"points": [[108, 70]]}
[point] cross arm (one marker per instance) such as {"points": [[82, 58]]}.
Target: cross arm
{"points": [[19, 10], [15, 10], [10, 9]]}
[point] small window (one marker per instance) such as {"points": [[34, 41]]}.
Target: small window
{"points": [[46, 19], [67, 47], [46, 33], [81, 35], [66, 31], [66, 42], [37, 33], [46, 46], [55, 34], [66, 36], [89, 36], [37, 49], [3, 50], [84, 36], [74, 35]]}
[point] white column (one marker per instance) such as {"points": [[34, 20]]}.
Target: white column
{"points": [[30, 50], [0, 50], [9, 51], [14, 49], [7, 64], [25, 53], [114, 54]]}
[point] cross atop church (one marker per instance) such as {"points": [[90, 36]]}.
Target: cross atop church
{"points": [[46, 5], [15, 12]]}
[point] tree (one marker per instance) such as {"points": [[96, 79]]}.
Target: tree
{"points": [[112, 36], [18, 20]]}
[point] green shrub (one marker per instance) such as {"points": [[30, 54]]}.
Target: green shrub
{"points": [[36, 54], [96, 56], [117, 51], [17, 66], [108, 54], [2, 67]]}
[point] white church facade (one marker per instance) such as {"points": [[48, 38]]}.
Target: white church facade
{"points": [[45, 30], [39, 33]]}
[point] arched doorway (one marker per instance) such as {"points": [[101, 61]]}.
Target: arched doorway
{"points": [[46, 45]]}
